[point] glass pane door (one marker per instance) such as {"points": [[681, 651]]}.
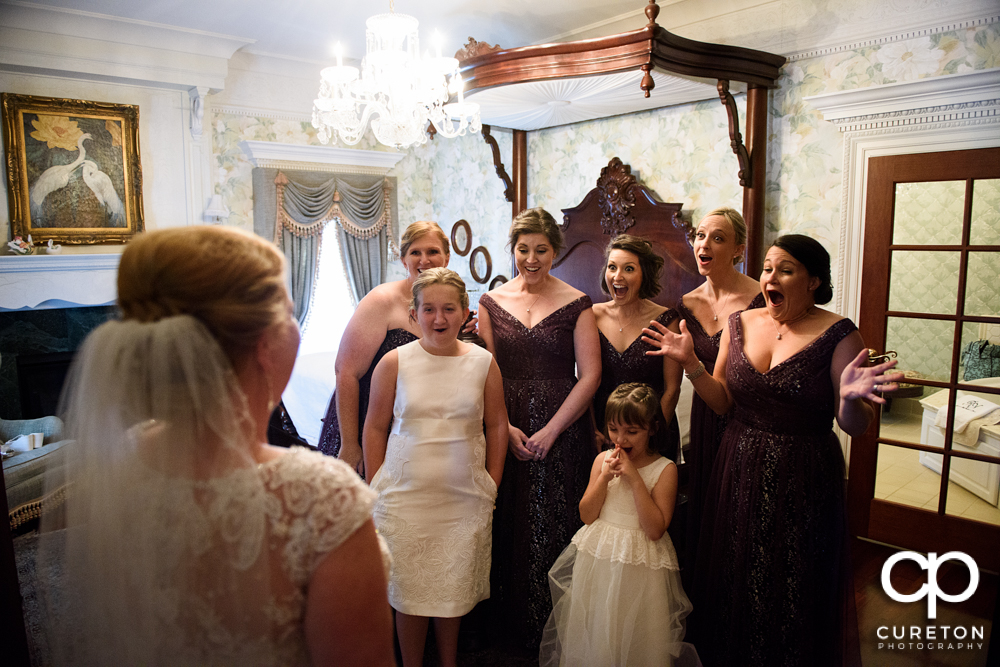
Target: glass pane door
{"points": [[931, 296]]}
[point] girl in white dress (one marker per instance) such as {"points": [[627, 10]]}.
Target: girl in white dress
{"points": [[437, 469], [616, 589]]}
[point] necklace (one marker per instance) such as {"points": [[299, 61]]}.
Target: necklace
{"points": [[619, 319], [774, 322], [528, 309], [723, 309]]}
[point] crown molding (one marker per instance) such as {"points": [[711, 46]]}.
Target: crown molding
{"points": [[969, 93], [85, 45], [894, 37], [273, 155], [257, 112]]}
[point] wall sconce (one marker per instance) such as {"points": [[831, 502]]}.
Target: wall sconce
{"points": [[216, 212]]}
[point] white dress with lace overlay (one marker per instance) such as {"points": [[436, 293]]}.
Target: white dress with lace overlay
{"points": [[435, 498]]}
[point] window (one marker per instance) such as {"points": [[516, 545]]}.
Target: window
{"points": [[332, 305]]}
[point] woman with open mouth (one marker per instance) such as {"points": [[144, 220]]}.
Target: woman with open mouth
{"points": [[631, 278], [380, 323], [543, 335], [772, 576], [719, 243]]}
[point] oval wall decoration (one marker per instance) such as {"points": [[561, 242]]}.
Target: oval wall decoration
{"points": [[461, 238], [481, 265]]}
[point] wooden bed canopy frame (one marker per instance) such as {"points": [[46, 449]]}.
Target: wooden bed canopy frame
{"points": [[619, 204], [649, 49]]}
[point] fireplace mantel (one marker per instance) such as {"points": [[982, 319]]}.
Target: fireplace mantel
{"points": [[57, 281]]}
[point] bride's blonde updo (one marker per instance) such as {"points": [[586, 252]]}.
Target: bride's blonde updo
{"points": [[230, 280]]}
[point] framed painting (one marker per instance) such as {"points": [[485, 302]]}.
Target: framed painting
{"points": [[73, 171]]}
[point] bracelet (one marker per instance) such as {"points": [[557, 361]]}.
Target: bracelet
{"points": [[696, 373]]}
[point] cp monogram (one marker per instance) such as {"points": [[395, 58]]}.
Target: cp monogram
{"points": [[930, 589]]}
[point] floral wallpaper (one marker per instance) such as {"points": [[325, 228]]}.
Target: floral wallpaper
{"points": [[234, 170], [447, 180], [682, 153], [444, 180]]}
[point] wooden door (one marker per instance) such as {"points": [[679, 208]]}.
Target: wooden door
{"points": [[931, 290]]}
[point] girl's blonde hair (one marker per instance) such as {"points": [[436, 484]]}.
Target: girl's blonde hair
{"points": [[230, 280], [737, 222], [633, 403], [421, 228], [438, 276]]}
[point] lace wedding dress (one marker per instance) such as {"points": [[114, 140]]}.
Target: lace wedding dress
{"points": [[179, 549]]}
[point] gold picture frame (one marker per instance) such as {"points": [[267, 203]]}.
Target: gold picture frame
{"points": [[73, 173]]}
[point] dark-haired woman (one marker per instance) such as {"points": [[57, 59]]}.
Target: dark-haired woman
{"points": [[541, 331], [632, 277], [772, 576]]}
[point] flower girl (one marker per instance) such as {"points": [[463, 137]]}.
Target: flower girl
{"points": [[616, 589], [435, 439]]}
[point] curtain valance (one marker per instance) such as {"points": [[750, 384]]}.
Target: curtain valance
{"points": [[305, 210], [293, 209]]}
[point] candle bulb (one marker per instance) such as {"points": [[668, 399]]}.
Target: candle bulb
{"points": [[437, 42], [340, 57]]}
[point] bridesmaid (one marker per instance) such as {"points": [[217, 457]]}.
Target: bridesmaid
{"points": [[773, 571], [718, 248], [542, 333], [632, 278], [380, 323]]}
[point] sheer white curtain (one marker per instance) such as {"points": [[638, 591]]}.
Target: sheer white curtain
{"points": [[313, 379], [332, 304]]}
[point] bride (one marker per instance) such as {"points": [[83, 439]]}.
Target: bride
{"points": [[189, 540]]}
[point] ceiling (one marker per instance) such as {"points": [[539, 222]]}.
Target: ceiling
{"points": [[308, 29]]}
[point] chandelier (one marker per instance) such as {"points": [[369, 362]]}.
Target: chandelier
{"points": [[396, 89]]}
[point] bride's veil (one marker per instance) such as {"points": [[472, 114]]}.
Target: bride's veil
{"points": [[161, 554]]}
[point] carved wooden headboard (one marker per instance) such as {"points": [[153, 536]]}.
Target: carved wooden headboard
{"points": [[620, 204]]}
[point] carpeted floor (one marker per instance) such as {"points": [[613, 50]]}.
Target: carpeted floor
{"points": [[25, 553]]}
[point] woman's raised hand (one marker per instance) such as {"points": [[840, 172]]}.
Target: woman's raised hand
{"points": [[867, 382], [679, 347]]}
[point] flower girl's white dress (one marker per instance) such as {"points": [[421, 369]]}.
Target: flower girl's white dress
{"points": [[616, 594]]}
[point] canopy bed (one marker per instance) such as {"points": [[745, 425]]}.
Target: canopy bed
{"points": [[535, 87], [619, 203]]}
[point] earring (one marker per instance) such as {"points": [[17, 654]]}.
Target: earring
{"points": [[270, 395]]}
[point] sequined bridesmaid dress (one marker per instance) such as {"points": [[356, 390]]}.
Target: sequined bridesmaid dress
{"points": [[633, 365], [771, 581], [705, 435], [537, 509]]}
